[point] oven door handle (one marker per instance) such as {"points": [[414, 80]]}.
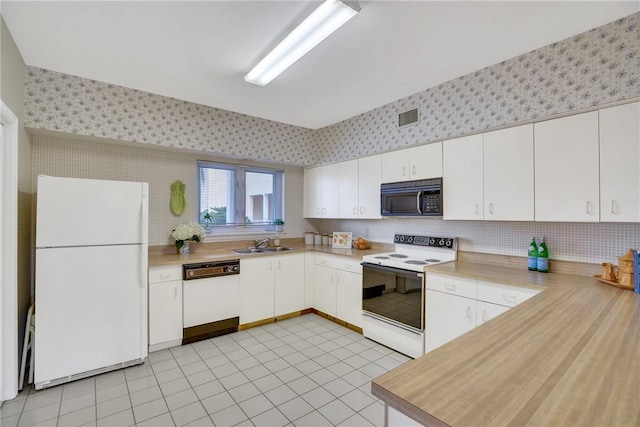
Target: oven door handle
{"points": [[398, 271], [418, 197]]}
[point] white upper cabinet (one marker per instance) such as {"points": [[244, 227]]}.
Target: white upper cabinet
{"points": [[566, 169], [312, 192], [369, 180], [348, 203], [344, 190], [330, 188], [508, 174], [462, 178], [422, 162], [619, 163]]}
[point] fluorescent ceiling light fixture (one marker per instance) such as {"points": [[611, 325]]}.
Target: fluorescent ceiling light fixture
{"points": [[323, 21]]}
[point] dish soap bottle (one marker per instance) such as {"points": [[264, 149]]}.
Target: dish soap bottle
{"points": [[532, 259], [543, 257]]}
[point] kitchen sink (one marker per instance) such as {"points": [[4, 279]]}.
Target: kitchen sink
{"points": [[249, 251], [261, 250]]}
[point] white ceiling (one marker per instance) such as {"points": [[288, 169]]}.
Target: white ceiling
{"points": [[199, 51]]}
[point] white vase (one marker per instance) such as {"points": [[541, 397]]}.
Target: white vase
{"points": [[184, 249]]}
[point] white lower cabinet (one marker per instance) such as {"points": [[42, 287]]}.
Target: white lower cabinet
{"points": [[457, 305], [486, 311], [338, 288], [349, 297], [165, 307], [324, 287], [271, 286], [448, 317]]}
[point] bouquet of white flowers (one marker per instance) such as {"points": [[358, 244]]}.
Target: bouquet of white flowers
{"points": [[188, 232]]}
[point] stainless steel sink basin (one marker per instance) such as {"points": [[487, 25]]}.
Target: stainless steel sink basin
{"points": [[249, 251], [261, 250]]}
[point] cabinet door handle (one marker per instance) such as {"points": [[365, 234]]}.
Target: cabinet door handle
{"points": [[510, 298], [484, 315], [270, 265], [317, 211], [450, 287], [490, 208], [175, 293], [589, 210], [361, 210], [469, 313], [613, 207], [324, 211], [165, 275], [355, 210], [279, 265], [413, 169], [477, 210], [404, 171]]}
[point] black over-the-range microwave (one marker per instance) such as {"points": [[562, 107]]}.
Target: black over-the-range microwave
{"points": [[412, 198]]}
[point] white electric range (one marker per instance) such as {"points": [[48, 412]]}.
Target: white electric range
{"points": [[394, 290]]}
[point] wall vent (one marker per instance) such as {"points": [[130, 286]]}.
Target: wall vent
{"points": [[408, 118]]}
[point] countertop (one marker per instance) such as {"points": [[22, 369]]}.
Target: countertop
{"points": [[203, 252], [570, 356]]}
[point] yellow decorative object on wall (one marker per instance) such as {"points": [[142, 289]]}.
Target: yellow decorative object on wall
{"points": [[178, 203]]}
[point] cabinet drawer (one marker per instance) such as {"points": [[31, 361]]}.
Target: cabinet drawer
{"points": [[509, 296], [165, 273], [452, 285], [339, 263]]}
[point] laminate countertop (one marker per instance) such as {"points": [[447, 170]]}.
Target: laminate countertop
{"points": [[203, 252], [570, 356]]}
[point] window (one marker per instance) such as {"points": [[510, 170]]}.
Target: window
{"points": [[240, 197]]}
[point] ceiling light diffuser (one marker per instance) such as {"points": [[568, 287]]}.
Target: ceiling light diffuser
{"points": [[323, 21]]}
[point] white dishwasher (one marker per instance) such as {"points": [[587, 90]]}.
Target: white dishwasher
{"points": [[211, 299]]}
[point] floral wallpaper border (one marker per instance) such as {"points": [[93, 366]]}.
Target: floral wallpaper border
{"points": [[593, 68]]}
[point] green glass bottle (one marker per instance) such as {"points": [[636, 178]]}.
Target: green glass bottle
{"points": [[543, 257], [532, 259]]}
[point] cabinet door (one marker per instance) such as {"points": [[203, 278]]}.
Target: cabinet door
{"points": [[308, 279], [348, 189], [312, 192], [566, 169], [425, 161], [395, 166], [508, 174], [165, 311], [619, 160], [369, 180], [349, 297], [289, 283], [462, 182], [330, 190], [486, 311], [256, 289], [324, 287], [448, 316]]}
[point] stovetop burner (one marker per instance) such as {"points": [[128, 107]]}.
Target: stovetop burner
{"points": [[413, 252], [398, 256]]}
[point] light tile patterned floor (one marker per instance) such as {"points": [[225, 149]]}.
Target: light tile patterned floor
{"points": [[305, 371]]}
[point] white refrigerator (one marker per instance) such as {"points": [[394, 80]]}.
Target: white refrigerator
{"points": [[91, 277]]}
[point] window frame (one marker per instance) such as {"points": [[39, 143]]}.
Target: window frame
{"points": [[238, 197]]}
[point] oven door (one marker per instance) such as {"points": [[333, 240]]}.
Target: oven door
{"points": [[393, 294]]}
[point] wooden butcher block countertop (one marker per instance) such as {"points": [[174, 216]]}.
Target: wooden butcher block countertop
{"points": [[570, 356]]}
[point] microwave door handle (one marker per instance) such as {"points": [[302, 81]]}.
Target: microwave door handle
{"points": [[418, 196]]}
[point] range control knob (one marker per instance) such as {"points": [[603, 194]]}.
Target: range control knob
{"points": [[441, 242], [449, 243], [432, 241], [409, 239]]}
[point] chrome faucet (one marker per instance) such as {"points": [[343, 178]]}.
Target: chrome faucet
{"points": [[263, 242]]}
